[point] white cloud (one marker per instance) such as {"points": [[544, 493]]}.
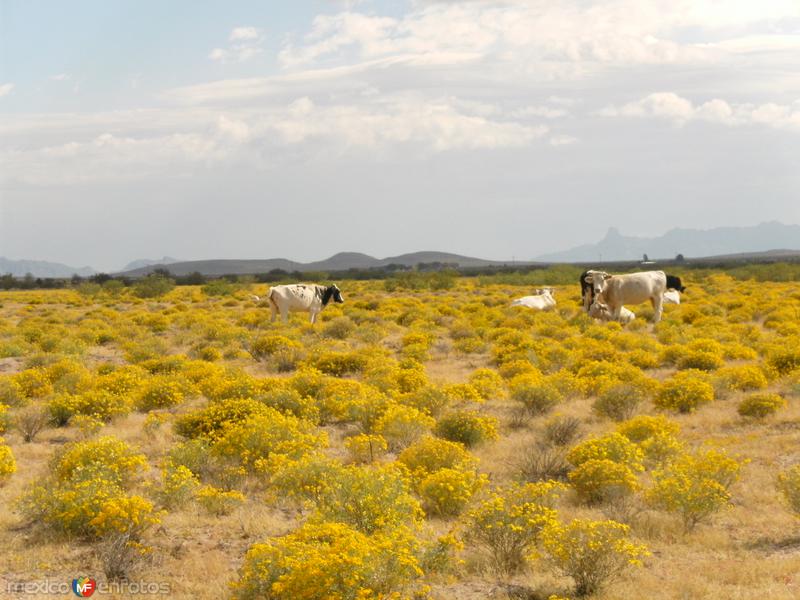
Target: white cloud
{"points": [[60, 77], [679, 110], [244, 33], [562, 140], [5, 89], [245, 43]]}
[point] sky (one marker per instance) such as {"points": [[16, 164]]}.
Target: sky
{"points": [[251, 129]]}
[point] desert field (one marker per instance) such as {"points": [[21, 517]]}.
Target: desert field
{"points": [[413, 443]]}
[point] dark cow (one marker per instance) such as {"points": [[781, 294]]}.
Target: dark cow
{"points": [[674, 283]]}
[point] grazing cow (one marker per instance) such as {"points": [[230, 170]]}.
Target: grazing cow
{"points": [[542, 299], [672, 297], [309, 298], [674, 283], [633, 288], [601, 311]]}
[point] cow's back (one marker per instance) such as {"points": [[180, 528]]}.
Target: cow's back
{"points": [[634, 288]]}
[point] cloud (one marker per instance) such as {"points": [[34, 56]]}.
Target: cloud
{"points": [[60, 77], [679, 110], [245, 43], [562, 140], [5, 89]]}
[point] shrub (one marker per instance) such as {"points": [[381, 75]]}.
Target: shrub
{"points": [[684, 392], [212, 421], [153, 286], [655, 436], [694, 486], [428, 399], [306, 478], [446, 492], [365, 448], [759, 406], [562, 430], [789, 486], [99, 404], [741, 378], [108, 456], [268, 345], [328, 560], [508, 524], [339, 328], [619, 402], [339, 364], [488, 383], [370, 499], [249, 444], [162, 391], [542, 463], [33, 383], [30, 421], [290, 402], [785, 359], [402, 425], [11, 392], [429, 454], [592, 553], [537, 397], [219, 502], [603, 480], [612, 446], [467, 427], [178, 485], [8, 466]]}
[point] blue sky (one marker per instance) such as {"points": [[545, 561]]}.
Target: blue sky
{"points": [[134, 129]]}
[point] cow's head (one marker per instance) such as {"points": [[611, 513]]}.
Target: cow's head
{"points": [[597, 280], [336, 294]]}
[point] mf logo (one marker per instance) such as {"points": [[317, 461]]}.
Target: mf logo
{"points": [[84, 586]]}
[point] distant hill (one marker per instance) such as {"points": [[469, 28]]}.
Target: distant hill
{"points": [[692, 243], [146, 262], [41, 268], [338, 262]]}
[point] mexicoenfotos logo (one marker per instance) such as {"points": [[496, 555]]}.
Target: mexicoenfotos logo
{"points": [[84, 586]]}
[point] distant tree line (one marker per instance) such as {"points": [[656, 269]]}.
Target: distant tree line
{"points": [[433, 275]]}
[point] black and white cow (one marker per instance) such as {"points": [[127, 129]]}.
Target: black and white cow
{"points": [[305, 297], [674, 283]]}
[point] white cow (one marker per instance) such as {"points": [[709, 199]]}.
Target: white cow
{"points": [[601, 311], [543, 299], [633, 288], [309, 298], [672, 297]]}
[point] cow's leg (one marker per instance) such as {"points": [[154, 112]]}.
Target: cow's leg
{"points": [[616, 311], [285, 315], [587, 300], [658, 307], [313, 317], [273, 312]]}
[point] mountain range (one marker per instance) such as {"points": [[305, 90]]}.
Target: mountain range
{"points": [[770, 240], [692, 243]]}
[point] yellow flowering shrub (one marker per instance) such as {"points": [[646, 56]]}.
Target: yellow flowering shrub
{"points": [[446, 492], [739, 378], [250, 443], [684, 392], [267, 345], [33, 383], [488, 383], [603, 480], [211, 422], [219, 502], [11, 392], [761, 405], [534, 394], [694, 486], [402, 425], [592, 553], [429, 455], [468, 427], [428, 399], [100, 404], [370, 499], [161, 391], [644, 427], [332, 561], [789, 486], [8, 466], [366, 448], [612, 446], [507, 525], [178, 485], [306, 478]]}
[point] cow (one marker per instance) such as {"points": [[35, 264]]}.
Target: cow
{"points": [[587, 292], [672, 297], [309, 298], [543, 299], [632, 288], [601, 311], [674, 283]]}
